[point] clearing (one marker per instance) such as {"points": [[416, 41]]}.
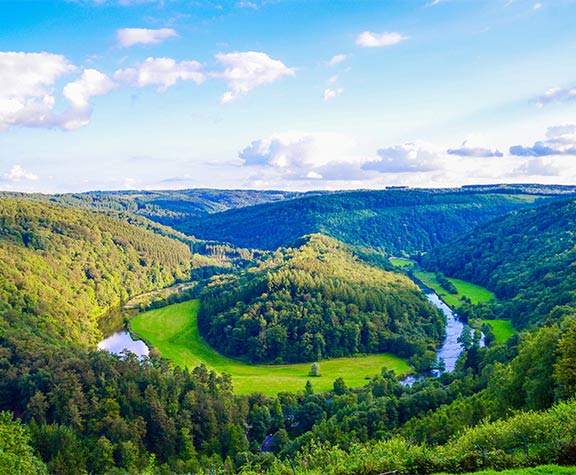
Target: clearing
{"points": [[173, 330]]}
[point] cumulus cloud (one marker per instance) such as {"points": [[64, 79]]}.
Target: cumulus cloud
{"points": [[557, 94], [374, 40], [133, 36], [331, 93], [299, 155], [28, 91], [91, 83], [337, 59], [409, 157], [243, 71], [161, 72], [560, 140], [433, 3], [465, 150], [17, 174]]}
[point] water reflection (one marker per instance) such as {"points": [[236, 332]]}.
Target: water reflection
{"points": [[122, 340]]}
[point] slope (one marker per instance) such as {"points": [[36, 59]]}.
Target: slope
{"points": [[528, 259], [61, 268], [394, 221], [316, 301]]}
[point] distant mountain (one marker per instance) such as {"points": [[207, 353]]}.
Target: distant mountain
{"points": [[315, 301], [166, 207], [528, 258], [392, 221]]}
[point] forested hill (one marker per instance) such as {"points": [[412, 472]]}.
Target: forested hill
{"points": [[60, 268], [394, 221], [527, 258], [169, 207], [317, 301]]}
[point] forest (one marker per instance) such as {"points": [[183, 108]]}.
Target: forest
{"points": [[317, 301], [67, 408]]}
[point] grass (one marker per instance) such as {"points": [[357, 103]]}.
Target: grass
{"points": [[173, 330], [475, 293], [503, 329], [541, 470], [401, 262]]}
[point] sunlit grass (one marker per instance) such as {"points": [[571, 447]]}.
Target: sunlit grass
{"points": [[503, 329], [475, 293], [173, 330]]}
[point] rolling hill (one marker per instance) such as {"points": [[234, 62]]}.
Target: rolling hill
{"points": [[393, 221], [527, 258]]}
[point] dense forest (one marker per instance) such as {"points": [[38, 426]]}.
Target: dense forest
{"points": [[315, 301], [526, 258], [166, 207], [396, 222], [68, 409]]}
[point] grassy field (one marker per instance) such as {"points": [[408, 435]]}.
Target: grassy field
{"points": [[542, 470], [402, 263], [474, 292], [173, 330], [503, 329]]}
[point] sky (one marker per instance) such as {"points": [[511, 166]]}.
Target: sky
{"points": [[285, 94]]}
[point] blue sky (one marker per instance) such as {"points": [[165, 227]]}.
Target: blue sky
{"points": [[318, 94]]}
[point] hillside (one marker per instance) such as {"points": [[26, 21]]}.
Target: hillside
{"points": [[169, 207], [61, 268], [394, 221], [526, 258], [316, 301]]}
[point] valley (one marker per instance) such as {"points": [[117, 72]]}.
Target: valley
{"points": [[234, 333]]}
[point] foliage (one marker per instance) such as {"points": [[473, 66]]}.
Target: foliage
{"points": [[313, 302], [173, 331], [16, 454], [526, 258], [398, 222]]}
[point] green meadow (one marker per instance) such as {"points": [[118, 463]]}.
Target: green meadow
{"points": [[503, 329], [475, 293], [173, 330]]}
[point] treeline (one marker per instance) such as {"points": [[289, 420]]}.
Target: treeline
{"points": [[526, 258], [317, 301], [169, 207], [397, 222]]}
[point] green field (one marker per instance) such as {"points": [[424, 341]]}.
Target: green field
{"points": [[173, 331], [503, 329], [474, 292], [542, 470], [401, 262]]}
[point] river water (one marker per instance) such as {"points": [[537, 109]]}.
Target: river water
{"points": [[121, 341]]}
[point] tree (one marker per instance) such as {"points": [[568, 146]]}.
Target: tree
{"points": [[565, 370], [308, 391], [339, 386], [315, 370], [16, 456]]}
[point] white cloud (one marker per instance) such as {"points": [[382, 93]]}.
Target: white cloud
{"points": [[537, 6], [433, 3], [161, 72], [560, 140], [132, 36], [300, 155], [337, 59], [409, 157], [246, 4], [17, 173], [330, 93], [467, 150], [27, 87], [28, 91], [91, 83], [373, 40], [246, 70], [557, 94]]}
